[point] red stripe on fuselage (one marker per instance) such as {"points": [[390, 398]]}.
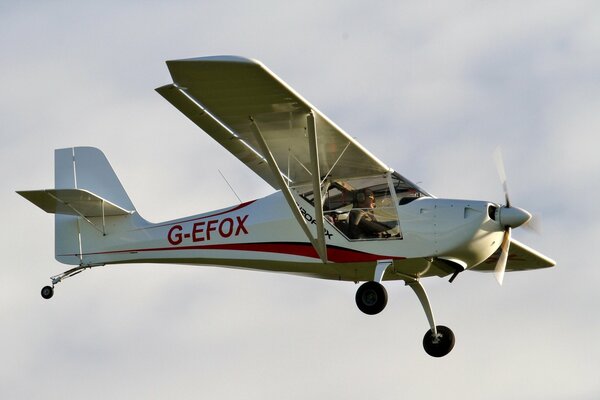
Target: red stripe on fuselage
{"points": [[334, 253]]}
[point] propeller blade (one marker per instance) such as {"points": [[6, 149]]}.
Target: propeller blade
{"points": [[501, 173], [501, 264], [534, 224]]}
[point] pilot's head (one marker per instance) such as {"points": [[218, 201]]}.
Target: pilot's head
{"points": [[364, 199]]}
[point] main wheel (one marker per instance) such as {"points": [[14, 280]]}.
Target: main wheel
{"points": [[440, 345], [371, 297], [47, 292]]}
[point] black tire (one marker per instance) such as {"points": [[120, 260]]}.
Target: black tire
{"points": [[371, 297], [444, 343], [47, 292]]}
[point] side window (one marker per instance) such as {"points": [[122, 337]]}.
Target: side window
{"points": [[365, 208], [362, 208]]}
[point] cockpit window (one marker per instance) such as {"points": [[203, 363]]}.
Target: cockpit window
{"points": [[363, 208], [406, 191]]}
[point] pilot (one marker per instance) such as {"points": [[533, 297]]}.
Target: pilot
{"points": [[362, 220]]}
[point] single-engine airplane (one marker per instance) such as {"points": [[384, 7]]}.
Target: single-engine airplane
{"points": [[338, 212]]}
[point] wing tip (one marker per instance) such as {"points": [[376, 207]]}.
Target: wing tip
{"points": [[548, 262]]}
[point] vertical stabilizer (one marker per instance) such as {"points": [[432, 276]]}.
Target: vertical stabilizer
{"points": [[82, 168]]}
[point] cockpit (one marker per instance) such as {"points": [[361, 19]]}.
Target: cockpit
{"points": [[365, 208]]}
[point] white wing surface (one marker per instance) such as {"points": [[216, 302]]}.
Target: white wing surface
{"points": [[222, 94], [520, 258]]}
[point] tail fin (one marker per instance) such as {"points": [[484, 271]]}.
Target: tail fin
{"points": [[87, 168], [87, 190]]}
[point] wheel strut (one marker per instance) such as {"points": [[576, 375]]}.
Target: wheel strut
{"points": [[48, 291], [438, 340], [422, 295]]}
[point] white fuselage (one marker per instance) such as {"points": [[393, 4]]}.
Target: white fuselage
{"points": [[263, 235]]}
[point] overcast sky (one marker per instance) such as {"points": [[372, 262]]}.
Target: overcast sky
{"points": [[431, 88]]}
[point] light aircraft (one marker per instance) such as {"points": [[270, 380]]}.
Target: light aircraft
{"points": [[338, 212]]}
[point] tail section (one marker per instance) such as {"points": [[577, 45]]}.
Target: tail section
{"points": [[87, 200], [87, 168]]}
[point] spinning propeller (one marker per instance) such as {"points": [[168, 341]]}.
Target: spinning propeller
{"points": [[508, 217]]}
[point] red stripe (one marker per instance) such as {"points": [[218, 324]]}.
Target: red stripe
{"points": [[334, 253]]}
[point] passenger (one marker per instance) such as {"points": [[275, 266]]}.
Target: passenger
{"points": [[362, 220]]}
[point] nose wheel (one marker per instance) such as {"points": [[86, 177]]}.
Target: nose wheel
{"points": [[440, 344]]}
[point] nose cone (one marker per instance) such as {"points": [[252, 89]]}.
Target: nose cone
{"points": [[513, 216]]}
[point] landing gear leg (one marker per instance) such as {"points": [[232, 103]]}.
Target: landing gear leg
{"points": [[48, 291], [439, 340]]}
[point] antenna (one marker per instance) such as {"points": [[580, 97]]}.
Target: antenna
{"points": [[225, 179]]}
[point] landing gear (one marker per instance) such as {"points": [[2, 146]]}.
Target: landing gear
{"points": [[440, 344], [439, 339], [47, 292], [371, 297]]}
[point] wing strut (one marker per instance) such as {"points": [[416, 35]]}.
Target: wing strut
{"points": [[316, 182], [289, 197]]}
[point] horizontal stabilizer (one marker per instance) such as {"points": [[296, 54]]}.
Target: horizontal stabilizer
{"points": [[76, 202]]}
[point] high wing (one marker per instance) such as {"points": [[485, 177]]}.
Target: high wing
{"points": [[270, 128], [520, 258], [222, 94]]}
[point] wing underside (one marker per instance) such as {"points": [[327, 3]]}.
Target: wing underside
{"points": [[520, 258]]}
